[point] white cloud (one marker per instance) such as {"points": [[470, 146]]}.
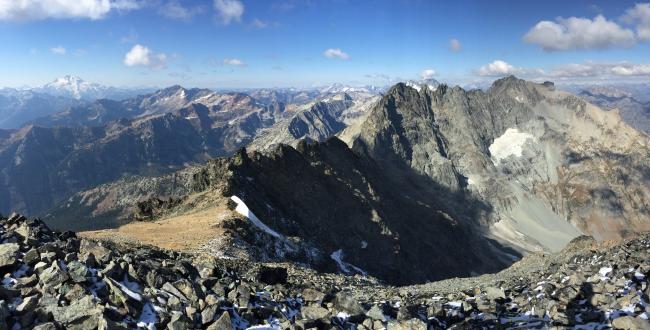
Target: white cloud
{"points": [[25, 10], [579, 33], [58, 50], [639, 14], [229, 10], [234, 62], [336, 53], [174, 10], [572, 72], [631, 70], [142, 56], [455, 45], [498, 68], [600, 70], [427, 74]]}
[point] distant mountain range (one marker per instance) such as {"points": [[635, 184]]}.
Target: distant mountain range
{"points": [[466, 181], [628, 102], [97, 142], [19, 106]]}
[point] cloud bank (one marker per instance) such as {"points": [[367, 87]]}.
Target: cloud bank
{"points": [[28, 10]]}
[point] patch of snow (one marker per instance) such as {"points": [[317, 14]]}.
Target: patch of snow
{"points": [[345, 267], [413, 85], [364, 244], [604, 271], [343, 315], [264, 327], [8, 281], [245, 211], [129, 292], [509, 144], [455, 304], [519, 99], [148, 317], [133, 286]]}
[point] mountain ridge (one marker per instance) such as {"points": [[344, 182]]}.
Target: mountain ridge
{"points": [[439, 152]]}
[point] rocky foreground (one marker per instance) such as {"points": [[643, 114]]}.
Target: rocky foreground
{"points": [[55, 280]]}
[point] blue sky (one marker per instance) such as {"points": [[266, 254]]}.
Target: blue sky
{"points": [[267, 43]]}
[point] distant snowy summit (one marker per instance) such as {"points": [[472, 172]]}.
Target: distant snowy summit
{"points": [[432, 84], [79, 89]]}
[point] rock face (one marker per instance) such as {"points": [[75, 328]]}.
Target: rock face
{"points": [[537, 156], [324, 118], [126, 287], [354, 212]]}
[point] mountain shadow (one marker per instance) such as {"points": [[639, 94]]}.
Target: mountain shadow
{"points": [[395, 224]]}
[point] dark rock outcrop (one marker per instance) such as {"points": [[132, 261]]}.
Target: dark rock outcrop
{"points": [[127, 287]]}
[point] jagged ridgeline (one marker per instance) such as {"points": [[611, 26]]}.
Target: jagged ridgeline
{"points": [[428, 184]]}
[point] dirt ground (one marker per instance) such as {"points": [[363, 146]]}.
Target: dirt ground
{"points": [[181, 233]]}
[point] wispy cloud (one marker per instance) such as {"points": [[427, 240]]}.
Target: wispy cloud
{"points": [[601, 69], [173, 9], [259, 24], [58, 50], [336, 53], [229, 11], [234, 62], [640, 15], [130, 38], [27, 10], [455, 45], [140, 55], [427, 74]]}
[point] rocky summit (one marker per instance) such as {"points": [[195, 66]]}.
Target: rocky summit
{"points": [[55, 280]]}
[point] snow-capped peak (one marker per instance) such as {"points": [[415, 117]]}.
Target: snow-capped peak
{"points": [[432, 84], [72, 86]]}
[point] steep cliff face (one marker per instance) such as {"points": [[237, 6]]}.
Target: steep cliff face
{"points": [[543, 159], [385, 223]]}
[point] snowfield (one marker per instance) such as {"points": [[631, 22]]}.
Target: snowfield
{"points": [[511, 143], [245, 211]]}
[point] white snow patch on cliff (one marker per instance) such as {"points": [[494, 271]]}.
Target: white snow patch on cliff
{"points": [[245, 211], [414, 85], [344, 266], [511, 143]]}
